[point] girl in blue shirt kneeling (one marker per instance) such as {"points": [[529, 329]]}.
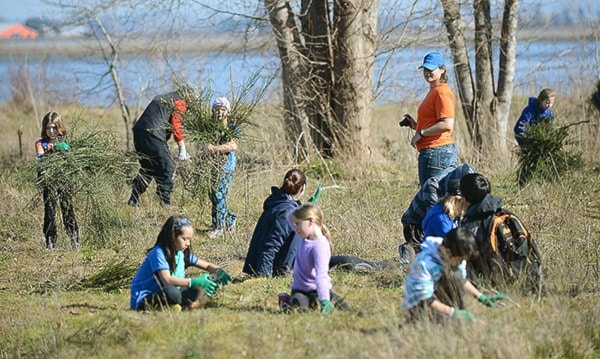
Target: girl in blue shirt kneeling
{"points": [[160, 281]]}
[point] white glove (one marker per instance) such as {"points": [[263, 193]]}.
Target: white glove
{"points": [[183, 155]]}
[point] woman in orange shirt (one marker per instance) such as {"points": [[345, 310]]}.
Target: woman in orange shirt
{"points": [[435, 121]]}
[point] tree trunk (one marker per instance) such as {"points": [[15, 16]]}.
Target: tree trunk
{"points": [[485, 106], [294, 75], [355, 43], [327, 72], [316, 31], [462, 67], [486, 114], [506, 77]]}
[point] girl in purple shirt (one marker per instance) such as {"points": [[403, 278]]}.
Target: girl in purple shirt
{"points": [[311, 283]]}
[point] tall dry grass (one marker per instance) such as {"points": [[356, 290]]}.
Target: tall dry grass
{"points": [[72, 304]]}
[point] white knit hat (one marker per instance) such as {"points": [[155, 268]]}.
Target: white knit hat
{"points": [[221, 102]]}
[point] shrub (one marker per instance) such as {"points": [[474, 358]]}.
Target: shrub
{"points": [[542, 156]]}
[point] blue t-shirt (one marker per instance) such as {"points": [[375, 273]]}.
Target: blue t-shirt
{"points": [[146, 281], [437, 223]]}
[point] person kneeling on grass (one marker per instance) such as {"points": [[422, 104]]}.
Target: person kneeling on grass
{"points": [[311, 283], [436, 279], [160, 281]]}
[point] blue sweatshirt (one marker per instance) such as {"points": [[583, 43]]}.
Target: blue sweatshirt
{"points": [[532, 114]]}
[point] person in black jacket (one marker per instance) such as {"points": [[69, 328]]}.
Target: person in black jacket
{"points": [[273, 247], [476, 189], [161, 119]]}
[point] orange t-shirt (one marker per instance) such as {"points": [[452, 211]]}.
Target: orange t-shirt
{"points": [[438, 104]]}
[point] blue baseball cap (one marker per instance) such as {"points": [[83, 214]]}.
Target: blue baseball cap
{"points": [[432, 61]]}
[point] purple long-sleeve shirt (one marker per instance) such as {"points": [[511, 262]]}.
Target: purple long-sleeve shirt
{"points": [[311, 271]]}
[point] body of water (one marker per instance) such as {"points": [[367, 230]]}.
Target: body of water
{"points": [[565, 65]]}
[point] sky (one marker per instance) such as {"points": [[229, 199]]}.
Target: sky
{"points": [[21, 10]]}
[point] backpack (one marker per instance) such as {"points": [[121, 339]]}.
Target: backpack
{"points": [[510, 253]]}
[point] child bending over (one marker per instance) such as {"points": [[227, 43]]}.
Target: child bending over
{"points": [[436, 280]]}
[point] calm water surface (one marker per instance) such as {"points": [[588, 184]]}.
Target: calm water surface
{"points": [[563, 65]]}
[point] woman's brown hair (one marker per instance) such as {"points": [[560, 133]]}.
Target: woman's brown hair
{"points": [[293, 181]]}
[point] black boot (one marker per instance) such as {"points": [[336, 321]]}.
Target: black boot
{"points": [[50, 242], [133, 200], [140, 184]]}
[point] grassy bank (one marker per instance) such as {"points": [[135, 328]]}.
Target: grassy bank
{"points": [[73, 304]]}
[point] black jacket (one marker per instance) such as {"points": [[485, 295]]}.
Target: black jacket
{"points": [[272, 248]]}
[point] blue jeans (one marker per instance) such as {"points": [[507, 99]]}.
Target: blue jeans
{"points": [[433, 161], [222, 217]]}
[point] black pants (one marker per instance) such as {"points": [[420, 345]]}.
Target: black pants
{"points": [[413, 235], [64, 198], [155, 163], [170, 294], [351, 263], [310, 300]]}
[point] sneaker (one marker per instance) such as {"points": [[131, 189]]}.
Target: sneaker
{"points": [[215, 233], [133, 201], [50, 243], [231, 219], [363, 267], [284, 301], [193, 305], [175, 307]]}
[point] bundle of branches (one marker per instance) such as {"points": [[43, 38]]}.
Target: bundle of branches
{"points": [[202, 128], [94, 156], [543, 155], [115, 275], [90, 170]]}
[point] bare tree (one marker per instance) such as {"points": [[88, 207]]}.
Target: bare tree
{"points": [[111, 57], [485, 107], [327, 69], [294, 66], [144, 35]]}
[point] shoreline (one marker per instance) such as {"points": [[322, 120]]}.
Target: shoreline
{"points": [[227, 42]]}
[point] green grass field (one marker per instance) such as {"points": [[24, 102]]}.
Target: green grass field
{"points": [[66, 304]]}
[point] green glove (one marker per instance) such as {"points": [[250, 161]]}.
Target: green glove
{"points": [[221, 276], [204, 281], [462, 314], [490, 300], [315, 197], [61, 146], [326, 306]]}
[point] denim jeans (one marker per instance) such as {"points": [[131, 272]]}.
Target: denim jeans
{"points": [[433, 161], [222, 218]]}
